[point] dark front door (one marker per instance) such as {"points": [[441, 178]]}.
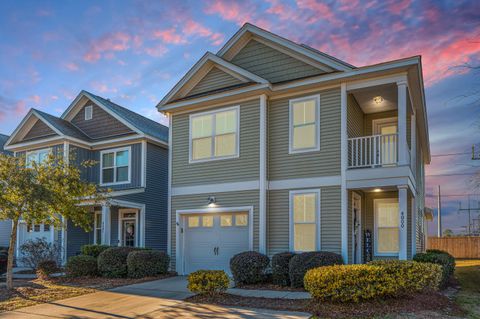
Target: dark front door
{"points": [[129, 232]]}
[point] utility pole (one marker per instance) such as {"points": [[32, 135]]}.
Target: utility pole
{"points": [[469, 209], [439, 213]]}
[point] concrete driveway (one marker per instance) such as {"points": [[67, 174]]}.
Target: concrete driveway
{"points": [[155, 299]]}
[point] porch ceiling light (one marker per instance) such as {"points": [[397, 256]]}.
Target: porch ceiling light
{"points": [[211, 201], [377, 190], [378, 99]]}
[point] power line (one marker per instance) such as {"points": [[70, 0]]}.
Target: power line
{"points": [[450, 154], [451, 195]]}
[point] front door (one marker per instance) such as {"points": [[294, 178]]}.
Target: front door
{"points": [[128, 225], [388, 141]]}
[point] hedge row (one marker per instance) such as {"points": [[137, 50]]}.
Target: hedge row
{"points": [[117, 262], [441, 258]]}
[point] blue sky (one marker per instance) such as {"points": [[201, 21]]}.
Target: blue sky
{"points": [[133, 52]]}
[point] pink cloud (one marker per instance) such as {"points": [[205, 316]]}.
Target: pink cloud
{"points": [[103, 88], [398, 6], [238, 12], [169, 36], [321, 11], [71, 66], [36, 99], [193, 28], [106, 45], [156, 51]]}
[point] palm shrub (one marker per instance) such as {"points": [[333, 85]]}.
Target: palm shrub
{"points": [[249, 267]]}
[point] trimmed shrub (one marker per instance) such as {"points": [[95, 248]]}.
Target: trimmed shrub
{"points": [[443, 259], [147, 263], [280, 270], [349, 283], [45, 268], [3, 263], [208, 281], [411, 275], [81, 265], [93, 250], [300, 264], [112, 262], [249, 267], [37, 250]]}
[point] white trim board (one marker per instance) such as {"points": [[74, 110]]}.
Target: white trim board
{"points": [[179, 234], [305, 182]]}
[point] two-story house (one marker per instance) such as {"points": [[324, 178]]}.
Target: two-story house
{"points": [[5, 225], [131, 153], [276, 146]]}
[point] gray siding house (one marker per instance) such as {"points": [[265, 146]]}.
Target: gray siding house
{"points": [[131, 153], [5, 225], [275, 146]]}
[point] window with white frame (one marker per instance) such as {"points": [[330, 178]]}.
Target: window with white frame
{"points": [[98, 228], [214, 135], [115, 166], [304, 124], [88, 112], [304, 220], [387, 231], [38, 156]]}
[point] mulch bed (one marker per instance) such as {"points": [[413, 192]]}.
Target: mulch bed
{"points": [[434, 302], [269, 286]]}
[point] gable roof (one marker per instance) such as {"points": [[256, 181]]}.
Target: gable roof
{"points": [[208, 60], [247, 31], [65, 127]]}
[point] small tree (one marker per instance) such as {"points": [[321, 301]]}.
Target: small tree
{"points": [[48, 192]]}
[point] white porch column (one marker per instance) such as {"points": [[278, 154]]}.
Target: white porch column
{"points": [[343, 165], [263, 176], [106, 224], [413, 143], [402, 123], [403, 220]]}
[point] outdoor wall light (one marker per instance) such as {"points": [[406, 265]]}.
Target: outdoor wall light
{"points": [[377, 190], [211, 201], [378, 99]]}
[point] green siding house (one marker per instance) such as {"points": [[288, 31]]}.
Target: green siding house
{"points": [[275, 146]]}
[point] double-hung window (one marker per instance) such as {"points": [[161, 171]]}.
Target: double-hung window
{"points": [[387, 231], [115, 166], [38, 156], [304, 124], [214, 135], [304, 220]]}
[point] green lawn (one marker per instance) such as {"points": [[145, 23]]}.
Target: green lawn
{"points": [[468, 274]]}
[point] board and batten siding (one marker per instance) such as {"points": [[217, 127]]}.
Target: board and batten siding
{"points": [[227, 199], [101, 126], [39, 130], [213, 80], [278, 220], [243, 168], [271, 64], [325, 162]]}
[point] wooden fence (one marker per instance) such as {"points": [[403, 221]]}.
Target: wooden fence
{"points": [[459, 247]]}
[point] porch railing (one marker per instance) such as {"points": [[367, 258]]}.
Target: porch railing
{"points": [[372, 151]]}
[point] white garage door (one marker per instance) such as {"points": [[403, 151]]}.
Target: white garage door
{"points": [[212, 239]]}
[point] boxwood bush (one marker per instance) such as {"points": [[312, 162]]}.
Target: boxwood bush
{"points": [[301, 263], [441, 258], [249, 267], [93, 250], [208, 281], [354, 283], [81, 265], [146, 263], [280, 270], [112, 262]]}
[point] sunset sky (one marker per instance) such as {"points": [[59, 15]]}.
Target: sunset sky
{"points": [[133, 52]]}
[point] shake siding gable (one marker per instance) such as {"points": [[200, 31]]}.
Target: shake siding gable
{"points": [[325, 162], [102, 125], [271, 64], [243, 168], [39, 130], [213, 80]]}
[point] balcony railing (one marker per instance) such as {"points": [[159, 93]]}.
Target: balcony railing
{"points": [[373, 151]]}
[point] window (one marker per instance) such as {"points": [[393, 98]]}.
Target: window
{"points": [[193, 221], [46, 227], [305, 124], [387, 232], [304, 220], [36, 228], [226, 220], [88, 112], [214, 135], [98, 228], [38, 156], [115, 166], [241, 220], [207, 221]]}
